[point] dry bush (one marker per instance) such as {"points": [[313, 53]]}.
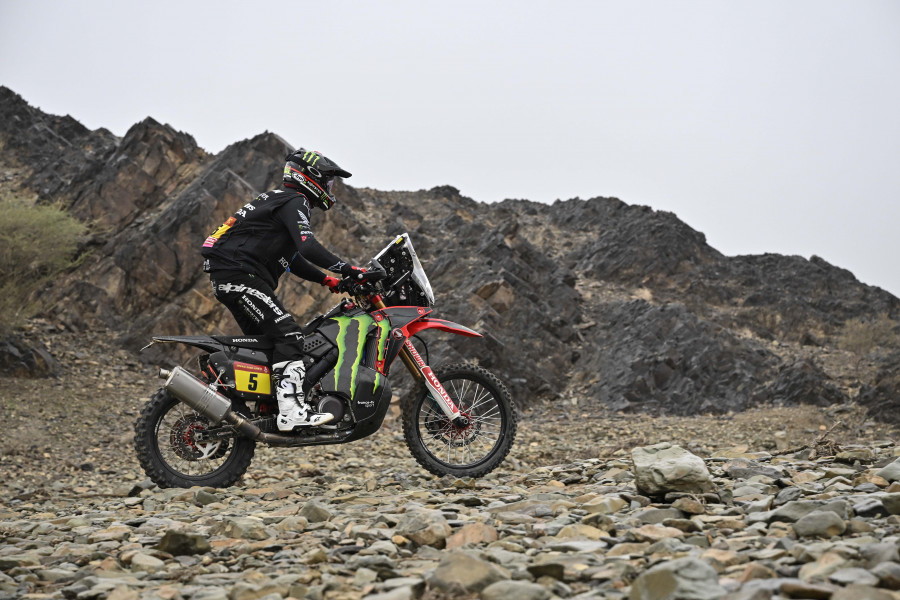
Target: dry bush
{"points": [[863, 336], [36, 243]]}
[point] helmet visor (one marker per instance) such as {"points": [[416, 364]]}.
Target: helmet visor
{"points": [[329, 185]]}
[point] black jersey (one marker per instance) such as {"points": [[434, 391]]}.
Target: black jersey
{"points": [[266, 237]]}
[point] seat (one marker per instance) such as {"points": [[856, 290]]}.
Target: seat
{"points": [[252, 342]]}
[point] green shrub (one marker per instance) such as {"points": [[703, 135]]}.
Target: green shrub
{"points": [[36, 243]]}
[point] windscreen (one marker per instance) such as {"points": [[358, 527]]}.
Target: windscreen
{"points": [[418, 274]]}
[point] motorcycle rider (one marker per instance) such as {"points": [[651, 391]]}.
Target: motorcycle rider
{"points": [[247, 255]]}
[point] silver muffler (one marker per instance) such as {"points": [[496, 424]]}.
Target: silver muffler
{"points": [[196, 394]]}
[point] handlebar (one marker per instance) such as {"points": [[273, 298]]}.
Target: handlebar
{"points": [[363, 283]]}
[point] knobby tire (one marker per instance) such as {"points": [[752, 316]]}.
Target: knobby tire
{"points": [[442, 449], [238, 452]]}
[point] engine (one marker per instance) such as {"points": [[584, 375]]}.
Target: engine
{"points": [[333, 405]]}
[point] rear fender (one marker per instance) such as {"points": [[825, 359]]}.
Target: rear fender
{"points": [[204, 342]]}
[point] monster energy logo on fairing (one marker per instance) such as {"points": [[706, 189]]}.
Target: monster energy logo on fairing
{"points": [[351, 340]]}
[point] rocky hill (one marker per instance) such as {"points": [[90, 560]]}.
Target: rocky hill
{"points": [[584, 300]]}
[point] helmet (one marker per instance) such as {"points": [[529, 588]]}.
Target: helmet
{"points": [[313, 173]]}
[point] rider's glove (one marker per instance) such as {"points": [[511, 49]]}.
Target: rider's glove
{"points": [[332, 284]]}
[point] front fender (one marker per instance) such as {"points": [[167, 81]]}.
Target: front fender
{"points": [[441, 325]]}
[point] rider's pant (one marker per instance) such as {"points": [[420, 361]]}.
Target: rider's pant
{"points": [[258, 311]]}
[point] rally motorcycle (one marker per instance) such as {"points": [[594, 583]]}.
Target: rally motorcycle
{"points": [[202, 430]]}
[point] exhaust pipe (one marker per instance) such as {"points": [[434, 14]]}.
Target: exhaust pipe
{"points": [[196, 394], [213, 405], [206, 400]]}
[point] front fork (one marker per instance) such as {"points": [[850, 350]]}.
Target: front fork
{"points": [[419, 370]]}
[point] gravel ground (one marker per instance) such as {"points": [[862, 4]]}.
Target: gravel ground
{"points": [[78, 519]]}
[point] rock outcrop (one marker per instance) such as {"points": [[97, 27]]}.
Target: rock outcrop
{"points": [[45, 155], [882, 395], [582, 298], [20, 358]]}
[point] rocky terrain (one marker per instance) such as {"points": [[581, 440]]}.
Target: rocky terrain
{"points": [[617, 327], [563, 517]]}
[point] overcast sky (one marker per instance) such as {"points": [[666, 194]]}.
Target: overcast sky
{"points": [[770, 126]]}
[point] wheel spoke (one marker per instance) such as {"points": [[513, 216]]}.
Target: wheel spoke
{"points": [[461, 447], [176, 436], [483, 399]]}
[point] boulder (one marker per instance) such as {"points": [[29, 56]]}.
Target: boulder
{"points": [[680, 579], [665, 467], [819, 523], [891, 472], [247, 528], [520, 590], [178, 543], [21, 358], [461, 573], [424, 527]]}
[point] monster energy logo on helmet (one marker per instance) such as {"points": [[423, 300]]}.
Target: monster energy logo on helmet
{"points": [[314, 173]]}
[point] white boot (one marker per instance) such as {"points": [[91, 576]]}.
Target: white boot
{"points": [[293, 410]]}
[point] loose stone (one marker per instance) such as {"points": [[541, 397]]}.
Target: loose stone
{"points": [[663, 468]]}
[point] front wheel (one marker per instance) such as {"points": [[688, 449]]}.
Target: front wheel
{"points": [[474, 450], [170, 447]]}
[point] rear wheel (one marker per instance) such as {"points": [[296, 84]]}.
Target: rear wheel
{"points": [[471, 450], [171, 450]]}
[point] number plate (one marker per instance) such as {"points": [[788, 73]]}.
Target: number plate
{"points": [[254, 379]]}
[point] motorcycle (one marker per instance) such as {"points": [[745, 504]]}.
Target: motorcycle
{"points": [[202, 430]]}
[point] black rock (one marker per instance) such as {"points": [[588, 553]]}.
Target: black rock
{"points": [[21, 358], [181, 543], [786, 495], [882, 396]]}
